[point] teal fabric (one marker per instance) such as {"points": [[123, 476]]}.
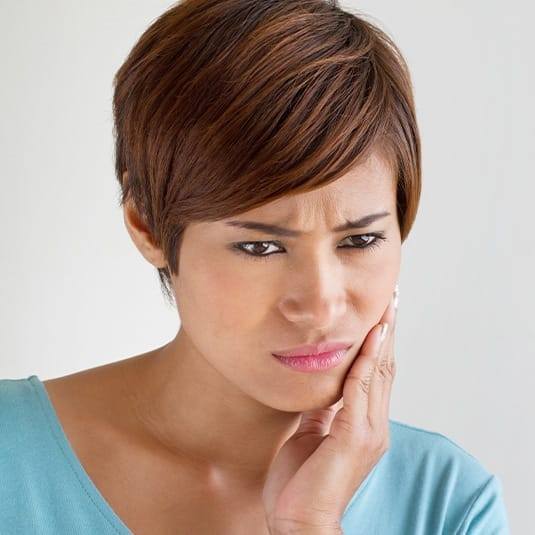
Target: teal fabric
{"points": [[425, 484]]}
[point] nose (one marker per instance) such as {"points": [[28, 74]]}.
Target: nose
{"points": [[316, 297]]}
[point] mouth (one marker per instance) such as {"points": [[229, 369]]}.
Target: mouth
{"points": [[314, 363]]}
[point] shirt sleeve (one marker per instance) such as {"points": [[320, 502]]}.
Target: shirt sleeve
{"points": [[486, 515]]}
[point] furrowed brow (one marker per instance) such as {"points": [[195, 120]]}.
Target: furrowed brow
{"points": [[277, 230]]}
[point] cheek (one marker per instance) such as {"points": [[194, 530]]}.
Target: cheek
{"points": [[216, 292], [384, 271], [222, 297], [380, 287], [377, 268]]}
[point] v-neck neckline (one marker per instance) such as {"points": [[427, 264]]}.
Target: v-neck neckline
{"points": [[74, 462], [87, 483]]}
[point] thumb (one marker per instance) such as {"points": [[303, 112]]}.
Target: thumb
{"points": [[313, 427]]}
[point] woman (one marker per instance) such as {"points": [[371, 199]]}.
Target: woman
{"points": [[269, 163]]}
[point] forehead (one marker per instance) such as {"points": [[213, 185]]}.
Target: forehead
{"points": [[370, 185]]}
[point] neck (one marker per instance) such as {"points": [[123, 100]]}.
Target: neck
{"points": [[196, 413]]}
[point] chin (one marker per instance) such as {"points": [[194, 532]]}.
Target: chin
{"points": [[306, 403]]}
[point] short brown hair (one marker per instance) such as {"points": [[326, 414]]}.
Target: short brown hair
{"points": [[224, 105]]}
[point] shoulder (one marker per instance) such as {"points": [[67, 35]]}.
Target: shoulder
{"points": [[29, 425], [24, 438], [13, 392], [19, 409], [449, 479], [44, 486], [435, 450], [427, 483]]}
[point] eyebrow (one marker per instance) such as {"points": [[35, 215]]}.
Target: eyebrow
{"points": [[276, 230]]}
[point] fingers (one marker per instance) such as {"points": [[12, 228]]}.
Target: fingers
{"points": [[390, 367], [367, 387], [381, 377], [357, 382], [318, 421]]}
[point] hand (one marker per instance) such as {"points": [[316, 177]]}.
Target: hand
{"points": [[320, 467]]}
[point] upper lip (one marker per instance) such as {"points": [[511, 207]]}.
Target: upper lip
{"points": [[313, 349]]}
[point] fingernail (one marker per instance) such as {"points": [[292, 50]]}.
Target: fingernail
{"points": [[384, 330], [396, 297]]}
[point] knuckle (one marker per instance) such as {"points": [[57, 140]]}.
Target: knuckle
{"points": [[364, 383], [384, 442], [386, 369], [361, 382], [381, 444], [345, 425], [375, 445], [376, 439]]}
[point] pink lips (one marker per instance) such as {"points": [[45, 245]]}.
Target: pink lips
{"points": [[314, 363], [312, 349]]}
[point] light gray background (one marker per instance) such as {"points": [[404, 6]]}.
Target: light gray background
{"points": [[75, 293]]}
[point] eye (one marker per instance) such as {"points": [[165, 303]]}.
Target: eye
{"points": [[367, 240], [258, 250]]}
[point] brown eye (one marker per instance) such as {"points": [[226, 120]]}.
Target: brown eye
{"points": [[256, 250], [363, 241]]}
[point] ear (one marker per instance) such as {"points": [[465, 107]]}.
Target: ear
{"points": [[141, 236]]}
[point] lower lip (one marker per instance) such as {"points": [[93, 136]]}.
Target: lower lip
{"points": [[314, 363]]}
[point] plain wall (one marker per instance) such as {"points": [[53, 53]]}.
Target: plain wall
{"points": [[76, 293]]}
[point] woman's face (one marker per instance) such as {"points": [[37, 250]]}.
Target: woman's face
{"points": [[236, 309]]}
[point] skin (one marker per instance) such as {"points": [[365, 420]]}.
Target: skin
{"points": [[214, 394], [320, 467], [211, 432]]}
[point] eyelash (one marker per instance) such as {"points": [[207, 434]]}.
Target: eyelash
{"points": [[378, 238]]}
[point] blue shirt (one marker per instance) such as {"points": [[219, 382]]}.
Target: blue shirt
{"points": [[424, 484]]}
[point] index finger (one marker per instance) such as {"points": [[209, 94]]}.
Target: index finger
{"points": [[357, 382]]}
